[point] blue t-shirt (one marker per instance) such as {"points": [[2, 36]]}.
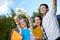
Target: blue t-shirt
{"points": [[26, 34]]}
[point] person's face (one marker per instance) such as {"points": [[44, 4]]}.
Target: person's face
{"points": [[37, 21], [23, 23], [17, 20], [43, 9]]}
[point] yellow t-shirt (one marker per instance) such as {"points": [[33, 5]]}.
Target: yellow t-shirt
{"points": [[38, 32], [16, 36]]}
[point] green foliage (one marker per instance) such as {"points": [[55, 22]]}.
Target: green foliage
{"points": [[6, 25]]}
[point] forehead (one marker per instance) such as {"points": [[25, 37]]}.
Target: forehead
{"points": [[17, 19], [37, 18], [22, 21], [43, 6]]}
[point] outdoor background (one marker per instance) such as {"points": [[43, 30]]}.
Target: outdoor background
{"points": [[8, 9]]}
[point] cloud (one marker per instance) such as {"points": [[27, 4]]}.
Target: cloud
{"points": [[4, 6]]}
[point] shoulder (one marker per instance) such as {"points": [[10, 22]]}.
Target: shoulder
{"points": [[12, 31], [15, 29]]}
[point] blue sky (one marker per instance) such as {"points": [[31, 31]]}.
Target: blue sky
{"points": [[29, 6]]}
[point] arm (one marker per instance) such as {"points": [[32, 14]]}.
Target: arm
{"points": [[30, 21], [54, 7], [54, 3]]}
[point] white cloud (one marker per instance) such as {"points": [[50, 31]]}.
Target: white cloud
{"points": [[4, 6]]}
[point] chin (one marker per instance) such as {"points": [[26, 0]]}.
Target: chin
{"points": [[22, 25], [42, 13]]}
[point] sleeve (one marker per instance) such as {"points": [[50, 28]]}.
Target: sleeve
{"points": [[53, 10]]}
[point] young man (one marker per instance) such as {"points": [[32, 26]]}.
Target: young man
{"points": [[18, 28], [17, 21], [49, 21]]}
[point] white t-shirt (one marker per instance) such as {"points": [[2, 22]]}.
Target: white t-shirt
{"points": [[20, 30], [31, 36], [50, 24]]}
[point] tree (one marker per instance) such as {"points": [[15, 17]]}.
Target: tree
{"points": [[6, 25]]}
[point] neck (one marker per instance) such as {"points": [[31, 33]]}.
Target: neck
{"points": [[37, 25], [25, 27], [45, 13]]}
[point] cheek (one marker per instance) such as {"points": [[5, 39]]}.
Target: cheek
{"points": [[43, 9], [21, 24], [37, 22], [24, 24], [40, 22]]}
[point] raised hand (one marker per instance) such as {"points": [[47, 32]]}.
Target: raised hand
{"points": [[54, 2]]}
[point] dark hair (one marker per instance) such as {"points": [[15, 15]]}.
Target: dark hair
{"points": [[27, 23], [40, 17], [44, 5]]}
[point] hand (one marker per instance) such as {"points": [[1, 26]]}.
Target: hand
{"points": [[20, 11], [38, 38]]}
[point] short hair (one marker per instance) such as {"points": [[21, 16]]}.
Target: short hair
{"points": [[44, 5]]}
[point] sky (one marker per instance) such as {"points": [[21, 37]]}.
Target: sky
{"points": [[28, 6]]}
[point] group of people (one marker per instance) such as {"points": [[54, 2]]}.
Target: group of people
{"points": [[48, 23]]}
